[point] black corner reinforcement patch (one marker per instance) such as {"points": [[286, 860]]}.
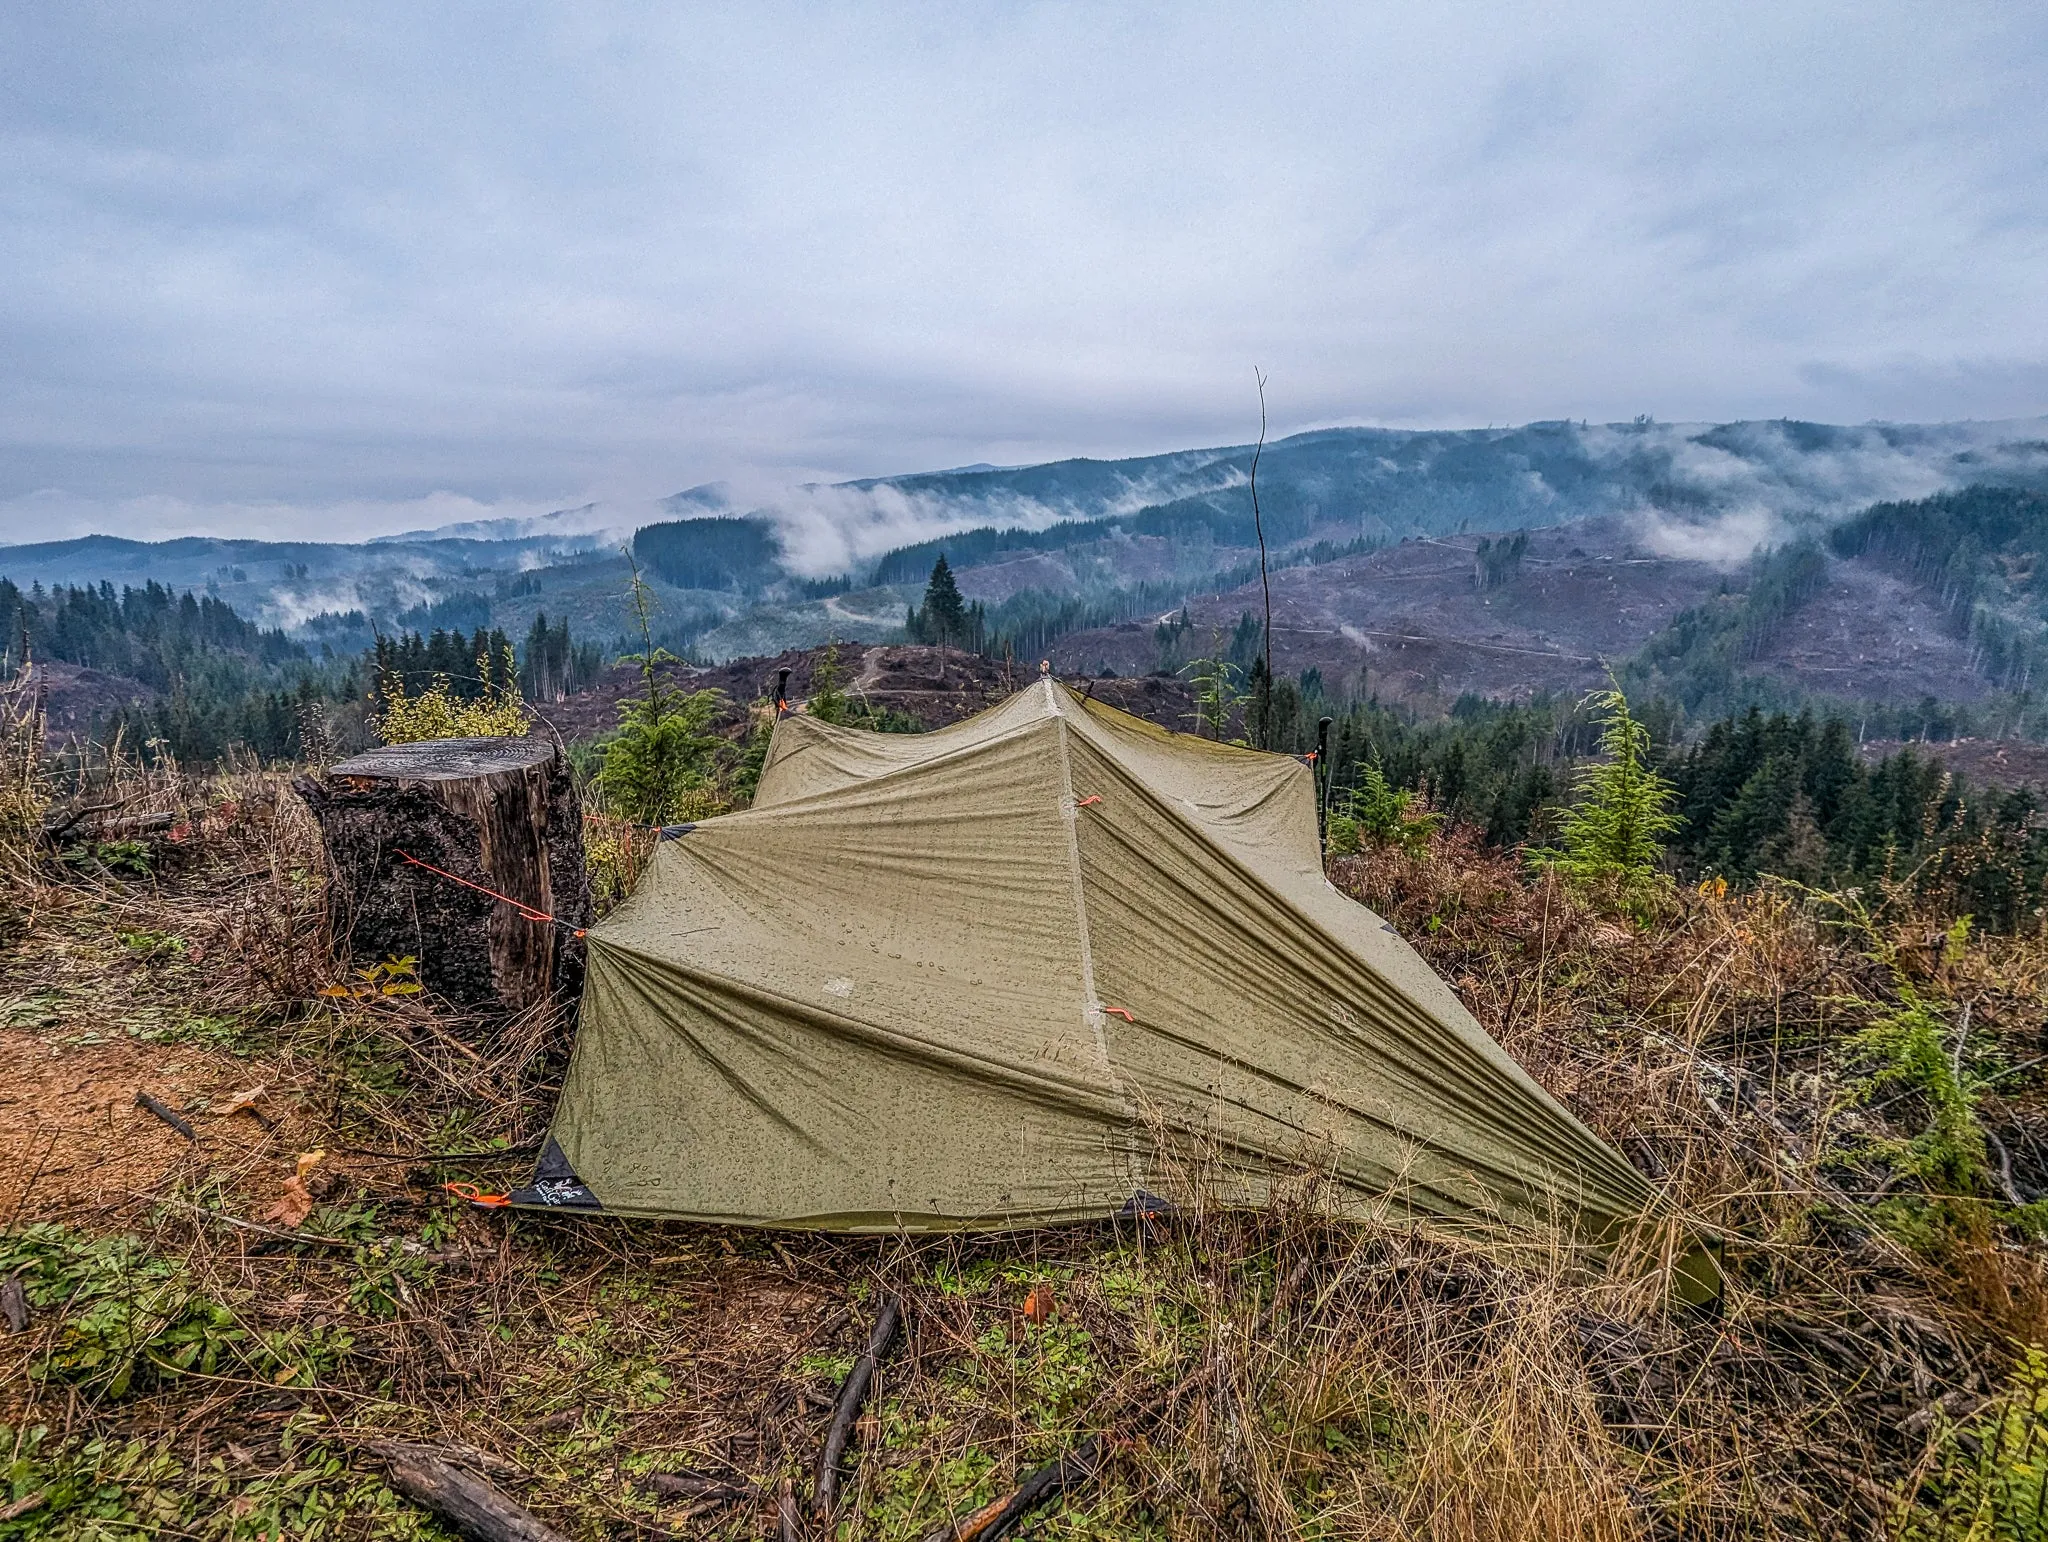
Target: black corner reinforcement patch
{"points": [[1145, 1206], [555, 1184]]}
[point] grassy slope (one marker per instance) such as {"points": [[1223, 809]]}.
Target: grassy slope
{"points": [[197, 1369]]}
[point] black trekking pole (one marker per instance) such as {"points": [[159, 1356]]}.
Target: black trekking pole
{"points": [[1322, 783]]}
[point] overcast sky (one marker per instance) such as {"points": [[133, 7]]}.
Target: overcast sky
{"points": [[326, 270]]}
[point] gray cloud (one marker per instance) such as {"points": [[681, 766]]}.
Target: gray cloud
{"points": [[327, 270]]}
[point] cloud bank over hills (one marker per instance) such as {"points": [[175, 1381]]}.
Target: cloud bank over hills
{"points": [[1712, 491], [1708, 490], [338, 272]]}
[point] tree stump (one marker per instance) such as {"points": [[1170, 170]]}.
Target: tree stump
{"points": [[501, 814]]}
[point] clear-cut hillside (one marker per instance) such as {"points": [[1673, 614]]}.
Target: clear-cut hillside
{"points": [[1412, 622]]}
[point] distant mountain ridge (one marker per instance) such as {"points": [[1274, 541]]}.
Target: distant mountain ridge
{"points": [[1062, 546], [1342, 483]]}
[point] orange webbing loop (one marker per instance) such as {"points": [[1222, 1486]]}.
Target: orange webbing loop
{"points": [[470, 1192], [1093, 797], [1120, 1012]]}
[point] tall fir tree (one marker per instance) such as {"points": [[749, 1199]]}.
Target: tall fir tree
{"points": [[945, 612]]}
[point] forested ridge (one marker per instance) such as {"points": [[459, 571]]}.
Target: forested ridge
{"points": [[713, 553], [1982, 552], [148, 634], [220, 681], [1768, 783], [1758, 793]]}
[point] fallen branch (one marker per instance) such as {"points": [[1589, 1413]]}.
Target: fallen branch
{"points": [[24, 1505], [168, 1114], [853, 1392], [2004, 1173], [440, 1158], [307, 1238], [1002, 1517], [472, 1506], [135, 824], [58, 825], [475, 1458]]}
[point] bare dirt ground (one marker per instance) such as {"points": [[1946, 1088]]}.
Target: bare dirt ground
{"points": [[71, 1134], [1983, 762], [96, 1008], [76, 701]]}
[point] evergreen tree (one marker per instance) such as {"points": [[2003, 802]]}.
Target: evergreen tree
{"points": [[1614, 833], [1380, 815], [945, 612], [828, 702], [1758, 813]]}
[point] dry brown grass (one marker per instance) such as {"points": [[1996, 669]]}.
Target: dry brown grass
{"points": [[1261, 1374]]}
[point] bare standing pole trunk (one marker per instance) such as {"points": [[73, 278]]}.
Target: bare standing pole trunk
{"points": [[1265, 584]]}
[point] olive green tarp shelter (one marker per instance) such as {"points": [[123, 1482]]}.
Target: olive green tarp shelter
{"points": [[997, 974]]}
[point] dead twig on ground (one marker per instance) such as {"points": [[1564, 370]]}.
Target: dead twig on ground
{"points": [[853, 1392], [168, 1114]]}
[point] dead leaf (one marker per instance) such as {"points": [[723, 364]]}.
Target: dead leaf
{"points": [[295, 1203], [247, 1101], [1038, 1306]]}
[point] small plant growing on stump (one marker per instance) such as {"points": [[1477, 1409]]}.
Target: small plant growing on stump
{"points": [[439, 713]]}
